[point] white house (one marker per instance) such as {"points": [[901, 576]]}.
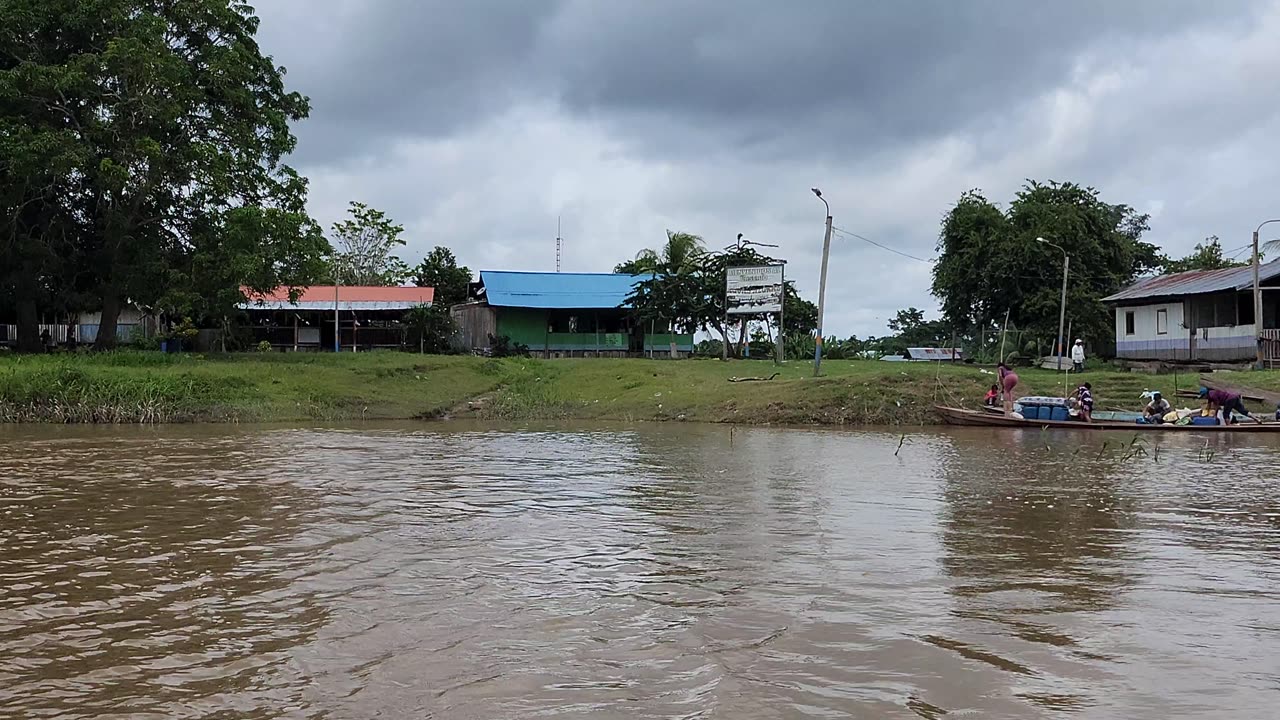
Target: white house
{"points": [[1200, 315]]}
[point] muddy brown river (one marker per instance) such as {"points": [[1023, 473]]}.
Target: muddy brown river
{"points": [[673, 571]]}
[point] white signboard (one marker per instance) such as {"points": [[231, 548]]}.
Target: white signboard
{"points": [[753, 290]]}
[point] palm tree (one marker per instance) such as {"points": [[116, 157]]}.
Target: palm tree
{"points": [[679, 256]]}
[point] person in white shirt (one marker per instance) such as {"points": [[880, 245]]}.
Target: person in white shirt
{"points": [[1077, 356], [1155, 410]]}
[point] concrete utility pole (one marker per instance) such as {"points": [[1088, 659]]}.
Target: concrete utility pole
{"points": [[822, 287], [1062, 313], [1257, 295]]}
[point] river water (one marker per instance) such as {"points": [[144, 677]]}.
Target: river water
{"points": [[673, 571]]}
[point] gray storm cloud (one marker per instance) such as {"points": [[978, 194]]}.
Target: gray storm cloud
{"points": [[477, 123]]}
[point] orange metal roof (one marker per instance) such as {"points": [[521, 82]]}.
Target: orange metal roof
{"points": [[355, 297], [348, 293]]}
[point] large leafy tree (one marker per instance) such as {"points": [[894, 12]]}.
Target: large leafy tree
{"points": [[799, 316], [1206, 256], [180, 125], [366, 243], [990, 261], [440, 270], [910, 329], [689, 295], [42, 155]]}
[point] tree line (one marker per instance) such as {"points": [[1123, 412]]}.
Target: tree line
{"points": [[143, 148], [992, 265], [990, 262], [685, 291]]}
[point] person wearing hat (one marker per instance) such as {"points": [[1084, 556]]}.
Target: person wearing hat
{"points": [[1077, 356], [1155, 410], [1226, 402]]}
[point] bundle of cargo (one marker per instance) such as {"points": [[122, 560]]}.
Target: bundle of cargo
{"points": [[1035, 407]]}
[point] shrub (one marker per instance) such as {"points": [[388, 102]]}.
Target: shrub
{"points": [[502, 346]]}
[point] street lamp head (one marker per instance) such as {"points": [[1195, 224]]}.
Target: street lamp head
{"points": [[816, 191], [739, 236], [1041, 240]]}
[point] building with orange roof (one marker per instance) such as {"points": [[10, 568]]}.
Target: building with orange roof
{"points": [[332, 317]]}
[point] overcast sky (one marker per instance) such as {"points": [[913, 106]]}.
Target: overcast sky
{"points": [[475, 123]]}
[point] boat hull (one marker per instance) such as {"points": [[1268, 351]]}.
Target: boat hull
{"points": [[960, 416]]}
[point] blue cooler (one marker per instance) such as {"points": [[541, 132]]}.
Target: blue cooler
{"points": [[1059, 413], [1034, 412], [1204, 421]]}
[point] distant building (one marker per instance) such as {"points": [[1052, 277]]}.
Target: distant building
{"points": [[133, 323], [927, 354], [367, 317], [1204, 315], [561, 315]]}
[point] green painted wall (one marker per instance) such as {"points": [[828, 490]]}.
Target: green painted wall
{"points": [[662, 341], [524, 325], [588, 341], [529, 327]]}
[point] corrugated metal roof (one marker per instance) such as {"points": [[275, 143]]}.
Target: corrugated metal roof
{"points": [[549, 290], [1196, 282], [928, 353], [321, 297]]}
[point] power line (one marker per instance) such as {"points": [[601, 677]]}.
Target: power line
{"points": [[1233, 253], [842, 231]]}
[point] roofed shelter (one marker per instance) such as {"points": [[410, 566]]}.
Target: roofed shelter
{"points": [[560, 315], [368, 317], [1203, 315]]}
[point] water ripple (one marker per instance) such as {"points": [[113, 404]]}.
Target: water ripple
{"points": [[655, 572]]}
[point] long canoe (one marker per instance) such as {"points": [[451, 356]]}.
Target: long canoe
{"points": [[960, 416]]}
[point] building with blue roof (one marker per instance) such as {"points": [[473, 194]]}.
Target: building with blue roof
{"points": [[561, 315]]}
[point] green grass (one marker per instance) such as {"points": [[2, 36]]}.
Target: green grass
{"points": [[150, 387], [850, 392]]}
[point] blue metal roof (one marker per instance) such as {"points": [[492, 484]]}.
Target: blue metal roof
{"points": [[569, 291]]}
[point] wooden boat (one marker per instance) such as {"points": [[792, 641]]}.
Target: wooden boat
{"points": [[960, 416]]}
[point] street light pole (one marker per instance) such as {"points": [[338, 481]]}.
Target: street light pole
{"points": [[822, 286], [1257, 295], [1062, 312]]}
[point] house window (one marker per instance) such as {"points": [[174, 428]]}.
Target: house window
{"points": [[1244, 308], [1162, 322], [1129, 323]]}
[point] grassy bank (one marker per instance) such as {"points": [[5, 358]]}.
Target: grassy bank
{"points": [[149, 387], [153, 387]]}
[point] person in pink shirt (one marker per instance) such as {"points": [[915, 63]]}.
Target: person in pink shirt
{"points": [[1008, 381]]}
